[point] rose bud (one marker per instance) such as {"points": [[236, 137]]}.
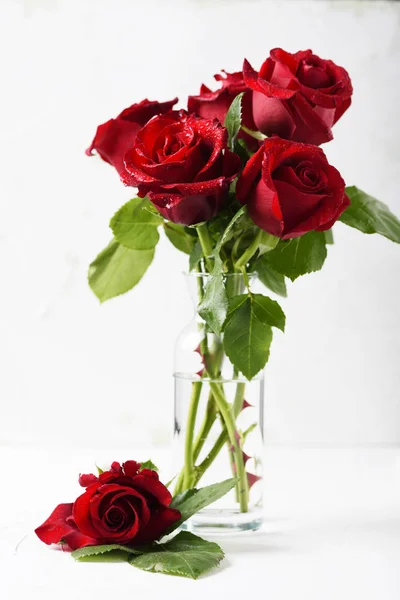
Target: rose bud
{"points": [[211, 105], [298, 96], [290, 189], [124, 505], [182, 163], [114, 137]]}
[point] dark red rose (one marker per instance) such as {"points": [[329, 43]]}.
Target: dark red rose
{"points": [[215, 105], [298, 96], [113, 138], [182, 163], [122, 506], [290, 189]]}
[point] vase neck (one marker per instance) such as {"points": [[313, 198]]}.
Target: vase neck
{"points": [[196, 284]]}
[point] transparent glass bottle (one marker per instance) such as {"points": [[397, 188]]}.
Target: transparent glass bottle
{"points": [[218, 430]]}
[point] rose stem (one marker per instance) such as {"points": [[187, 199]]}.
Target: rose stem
{"points": [[223, 437], [250, 251], [216, 360], [191, 420], [186, 477], [262, 237], [210, 418], [206, 245], [190, 457], [227, 415], [257, 135]]}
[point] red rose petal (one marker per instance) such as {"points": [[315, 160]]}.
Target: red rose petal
{"points": [[145, 110], [160, 520], [341, 208], [149, 473], [116, 136], [298, 96], [76, 540], [56, 527], [188, 210], [258, 84], [131, 468], [273, 116], [87, 480], [296, 206], [248, 178], [153, 487], [81, 514]]}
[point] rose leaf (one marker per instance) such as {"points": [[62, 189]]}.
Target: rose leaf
{"points": [[192, 501], [268, 311], [179, 237], [135, 226], [109, 552], [117, 269], [369, 215], [247, 339], [186, 555], [233, 120], [273, 280], [214, 306], [329, 237], [299, 256], [195, 256], [148, 464]]}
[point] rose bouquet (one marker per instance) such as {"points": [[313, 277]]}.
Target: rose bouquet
{"points": [[238, 182]]}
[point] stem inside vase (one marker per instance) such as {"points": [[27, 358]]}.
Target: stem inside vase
{"points": [[217, 407]]}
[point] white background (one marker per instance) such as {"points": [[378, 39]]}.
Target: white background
{"points": [[80, 382], [80, 374]]}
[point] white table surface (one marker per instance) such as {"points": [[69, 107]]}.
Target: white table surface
{"points": [[332, 531]]}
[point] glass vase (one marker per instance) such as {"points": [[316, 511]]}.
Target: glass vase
{"points": [[218, 431]]}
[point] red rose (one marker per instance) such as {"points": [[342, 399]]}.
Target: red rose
{"points": [[113, 138], [122, 506], [298, 96], [215, 105], [290, 189], [182, 163]]}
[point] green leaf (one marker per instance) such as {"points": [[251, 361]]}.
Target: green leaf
{"points": [[186, 555], [90, 551], [273, 280], [195, 256], [242, 212], [117, 269], [99, 470], [247, 340], [268, 311], [243, 150], [171, 481], [192, 501], [179, 237], [135, 227], [299, 256], [369, 215], [214, 306], [329, 237], [267, 242], [233, 120], [148, 464]]}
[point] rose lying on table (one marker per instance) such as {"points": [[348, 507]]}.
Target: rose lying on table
{"points": [[122, 514], [125, 504]]}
